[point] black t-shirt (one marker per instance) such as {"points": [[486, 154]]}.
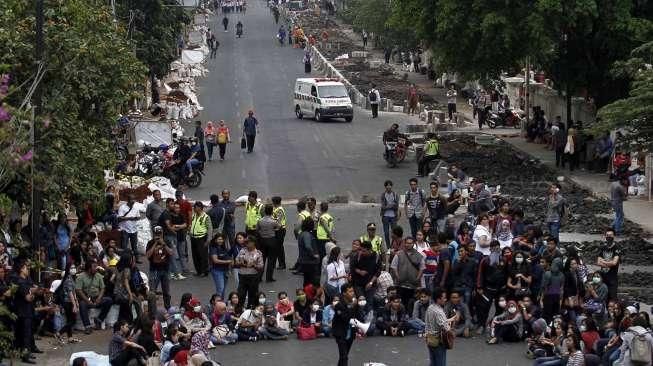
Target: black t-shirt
{"points": [[607, 253], [301, 309], [437, 207], [166, 216], [179, 220], [22, 307], [160, 260]]}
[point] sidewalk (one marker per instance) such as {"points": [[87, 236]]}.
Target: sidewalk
{"points": [[636, 209]]}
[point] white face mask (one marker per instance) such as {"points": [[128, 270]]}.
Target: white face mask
{"points": [[315, 307], [177, 316], [512, 310], [582, 328], [502, 304], [197, 309], [362, 303], [257, 313], [334, 303], [261, 300], [519, 260]]}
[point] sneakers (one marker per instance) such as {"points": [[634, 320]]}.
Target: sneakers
{"points": [[402, 333], [177, 276], [253, 339]]}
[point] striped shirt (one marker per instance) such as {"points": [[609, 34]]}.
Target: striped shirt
{"points": [[436, 320]]}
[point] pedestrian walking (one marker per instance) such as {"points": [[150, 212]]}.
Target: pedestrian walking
{"points": [[437, 324], [199, 134], [414, 206], [412, 99], [343, 330], [250, 129], [213, 46], [618, 194], [364, 38], [223, 137], [374, 97], [225, 23], [279, 214], [307, 61], [210, 137], [200, 229], [451, 101]]}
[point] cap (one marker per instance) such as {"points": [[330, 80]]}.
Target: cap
{"points": [[194, 302], [179, 193], [198, 204], [371, 226], [631, 309], [55, 285], [157, 229]]}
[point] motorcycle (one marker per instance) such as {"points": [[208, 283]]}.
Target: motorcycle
{"points": [[391, 153], [150, 164], [505, 117], [175, 172], [239, 31]]}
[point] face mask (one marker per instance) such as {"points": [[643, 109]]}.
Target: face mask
{"points": [[512, 310], [301, 297], [362, 303], [164, 324], [73, 271], [197, 309], [257, 312], [261, 300], [502, 304], [519, 260], [582, 328], [596, 279], [334, 303], [315, 307], [177, 316]]}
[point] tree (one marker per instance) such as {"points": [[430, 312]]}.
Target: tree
{"points": [[89, 73], [634, 114]]}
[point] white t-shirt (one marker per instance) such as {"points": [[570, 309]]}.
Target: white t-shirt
{"points": [[336, 269], [130, 226], [480, 232]]}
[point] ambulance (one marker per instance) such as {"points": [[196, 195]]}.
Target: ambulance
{"points": [[322, 98]]}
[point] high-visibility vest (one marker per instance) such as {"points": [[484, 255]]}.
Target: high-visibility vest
{"points": [[279, 214], [322, 232], [198, 226], [432, 147], [303, 216], [376, 242], [252, 215]]}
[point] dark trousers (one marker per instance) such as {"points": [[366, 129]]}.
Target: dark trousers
{"points": [[551, 306], [407, 296], [200, 254], [415, 225], [573, 161], [132, 239], [162, 277], [311, 274], [229, 231], [483, 305], [126, 356], [70, 319], [506, 333], [281, 252], [321, 248], [560, 157], [104, 306], [248, 287], [251, 139], [24, 334], [223, 149], [344, 345], [451, 108], [269, 248], [375, 110], [422, 166]]}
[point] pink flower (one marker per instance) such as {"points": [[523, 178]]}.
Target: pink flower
{"points": [[27, 156], [4, 115]]}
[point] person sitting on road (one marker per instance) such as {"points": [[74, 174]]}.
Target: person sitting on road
{"points": [[431, 152], [195, 319], [394, 318], [284, 306], [417, 322], [249, 323], [313, 316], [462, 326], [506, 326]]}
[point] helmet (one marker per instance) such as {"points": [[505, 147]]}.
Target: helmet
{"points": [[163, 147]]}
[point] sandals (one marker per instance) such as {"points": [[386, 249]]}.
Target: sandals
{"points": [[74, 340]]}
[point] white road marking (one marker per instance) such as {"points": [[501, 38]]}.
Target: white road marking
{"points": [[242, 173], [324, 153]]}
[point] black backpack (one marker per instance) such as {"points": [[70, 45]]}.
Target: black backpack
{"points": [[372, 96]]}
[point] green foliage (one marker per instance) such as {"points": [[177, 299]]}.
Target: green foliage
{"points": [[90, 72]]}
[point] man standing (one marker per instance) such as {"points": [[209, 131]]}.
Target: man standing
{"points": [[154, 209], [407, 267], [364, 38], [378, 245], [325, 226], [200, 229], [302, 215], [266, 229], [436, 325], [414, 206], [90, 294], [160, 252], [559, 140], [374, 96], [609, 259], [279, 215], [618, 194], [229, 225], [170, 236], [186, 212], [225, 23], [24, 311], [451, 101], [389, 209], [250, 128], [253, 210], [554, 211], [216, 213], [431, 152], [346, 311], [128, 214], [436, 208]]}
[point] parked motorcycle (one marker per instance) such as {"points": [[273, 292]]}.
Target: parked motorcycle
{"points": [[175, 172], [506, 118], [150, 164]]}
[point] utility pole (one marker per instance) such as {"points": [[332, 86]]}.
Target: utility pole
{"points": [[37, 204]]}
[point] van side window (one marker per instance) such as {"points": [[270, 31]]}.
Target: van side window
{"points": [[314, 91]]}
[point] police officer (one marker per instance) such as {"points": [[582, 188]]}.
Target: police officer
{"points": [[431, 152], [378, 245], [279, 214], [325, 226], [252, 213], [302, 214]]}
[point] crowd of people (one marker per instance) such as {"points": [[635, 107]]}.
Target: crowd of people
{"points": [[493, 274]]}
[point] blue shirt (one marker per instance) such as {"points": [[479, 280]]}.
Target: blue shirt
{"points": [[250, 126], [223, 254]]}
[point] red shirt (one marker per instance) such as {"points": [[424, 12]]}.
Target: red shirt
{"points": [[186, 210], [589, 338], [430, 262]]}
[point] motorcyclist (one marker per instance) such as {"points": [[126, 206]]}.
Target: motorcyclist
{"points": [[390, 135], [196, 157], [182, 154], [239, 28], [431, 152], [281, 35]]}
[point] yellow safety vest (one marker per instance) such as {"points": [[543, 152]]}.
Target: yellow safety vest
{"points": [[198, 226], [322, 233], [252, 215], [376, 242], [432, 147], [279, 214], [303, 216]]}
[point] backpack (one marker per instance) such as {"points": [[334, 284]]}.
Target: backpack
{"points": [[640, 350], [419, 191], [372, 96]]}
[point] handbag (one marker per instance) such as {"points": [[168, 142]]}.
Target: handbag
{"points": [[432, 340], [154, 360], [243, 142], [221, 332], [284, 324], [306, 332], [448, 338]]}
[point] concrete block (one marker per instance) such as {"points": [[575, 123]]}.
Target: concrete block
{"points": [[338, 199], [368, 199]]}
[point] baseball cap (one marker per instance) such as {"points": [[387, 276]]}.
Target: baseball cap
{"points": [[158, 229]]}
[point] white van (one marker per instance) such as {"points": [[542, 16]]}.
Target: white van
{"points": [[322, 98]]}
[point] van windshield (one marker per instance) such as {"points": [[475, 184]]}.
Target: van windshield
{"points": [[333, 91]]}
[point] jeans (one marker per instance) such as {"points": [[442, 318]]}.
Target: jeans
{"points": [[182, 252], [548, 361], [190, 163], [554, 230], [209, 145], [415, 225], [171, 240], [438, 355], [388, 224], [200, 254], [417, 325], [163, 277], [220, 280], [344, 345], [251, 139], [104, 305], [130, 238], [618, 223]]}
